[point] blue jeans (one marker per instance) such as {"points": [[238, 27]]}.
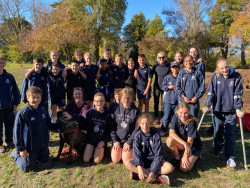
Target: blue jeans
{"points": [[28, 164], [194, 109], [224, 126], [169, 111]]}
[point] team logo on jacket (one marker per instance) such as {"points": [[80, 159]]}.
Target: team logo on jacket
{"points": [[231, 83], [218, 82], [43, 116], [32, 119], [170, 83], [7, 81], [124, 124], [115, 70], [186, 129], [42, 78], [33, 78], [150, 142], [96, 128], [193, 78]]}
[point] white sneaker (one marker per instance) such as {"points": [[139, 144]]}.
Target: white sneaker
{"points": [[231, 163]]}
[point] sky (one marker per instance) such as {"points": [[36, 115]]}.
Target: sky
{"points": [[148, 7]]}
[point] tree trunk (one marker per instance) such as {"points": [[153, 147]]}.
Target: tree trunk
{"points": [[97, 46], [242, 55], [67, 50]]}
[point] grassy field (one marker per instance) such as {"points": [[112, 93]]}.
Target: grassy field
{"points": [[209, 171]]}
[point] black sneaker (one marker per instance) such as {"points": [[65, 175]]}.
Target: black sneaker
{"points": [[175, 162]]}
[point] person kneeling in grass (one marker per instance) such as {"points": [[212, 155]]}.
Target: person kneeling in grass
{"points": [[148, 156], [183, 136]]}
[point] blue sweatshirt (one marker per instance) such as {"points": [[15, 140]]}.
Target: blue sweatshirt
{"points": [[49, 66], [143, 75], [123, 124], [97, 125], [160, 71], [56, 85], [90, 72], [170, 95], [35, 79], [201, 67], [9, 92], [31, 129], [148, 147], [224, 93], [191, 84], [185, 131], [118, 76]]}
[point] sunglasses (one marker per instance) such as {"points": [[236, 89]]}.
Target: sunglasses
{"points": [[161, 57]]}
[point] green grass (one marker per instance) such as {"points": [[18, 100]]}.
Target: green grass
{"points": [[207, 172]]}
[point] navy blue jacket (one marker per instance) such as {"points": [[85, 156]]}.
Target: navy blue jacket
{"points": [[160, 71], [123, 124], [185, 131], [148, 147], [49, 66], [35, 79], [118, 76], [56, 85], [143, 75], [170, 95], [201, 67], [97, 125], [191, 84], [130, 80], [90, 72], [31, 128], [73, 80], [110, 62], [224, 94], [9, 92]]}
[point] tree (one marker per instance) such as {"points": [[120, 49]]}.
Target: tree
{"points": [[134, 32], [152, 45], [188, 20], [104, 19], [155, 27], [221, 18], [240, 31]]}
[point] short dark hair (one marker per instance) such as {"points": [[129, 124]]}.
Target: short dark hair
{"points": [[38, 60], [74, 61], [55, 65], [103, 61]]}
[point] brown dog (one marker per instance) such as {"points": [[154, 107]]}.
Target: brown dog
{"points": [[70, 134]]}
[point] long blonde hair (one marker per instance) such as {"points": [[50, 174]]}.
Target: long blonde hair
{"points": [[190, 117], [217, 63]]}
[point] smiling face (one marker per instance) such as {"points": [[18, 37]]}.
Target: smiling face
{"points": [[107, 55], [38, 67], [74, 67], [178, 57], [118, 61], [161, 58], [126, 101], [188, 63], [78, 96], [131, 65], [53, 57], [2, 64], [193, 52], [145, 125], [55, 70], [175, 70], [142, 61], [34, 100], [223, 68], [78, 57], [88, 60], [99, 102], [183, 114]]}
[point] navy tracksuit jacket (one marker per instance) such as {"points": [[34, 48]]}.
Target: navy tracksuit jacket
{"points": [[170, 95], [123, 124], [9, 92], [224, 93], [35, 79], [191, 84], [147, 147]]}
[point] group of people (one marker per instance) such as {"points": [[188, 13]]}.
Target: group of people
{"points": [[101, 99]]}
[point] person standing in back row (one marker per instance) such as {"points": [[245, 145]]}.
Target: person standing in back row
{"points": [[160, 70]]}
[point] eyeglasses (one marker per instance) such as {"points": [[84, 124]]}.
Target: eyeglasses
{"points": [[99, 101], [161, 57]]}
